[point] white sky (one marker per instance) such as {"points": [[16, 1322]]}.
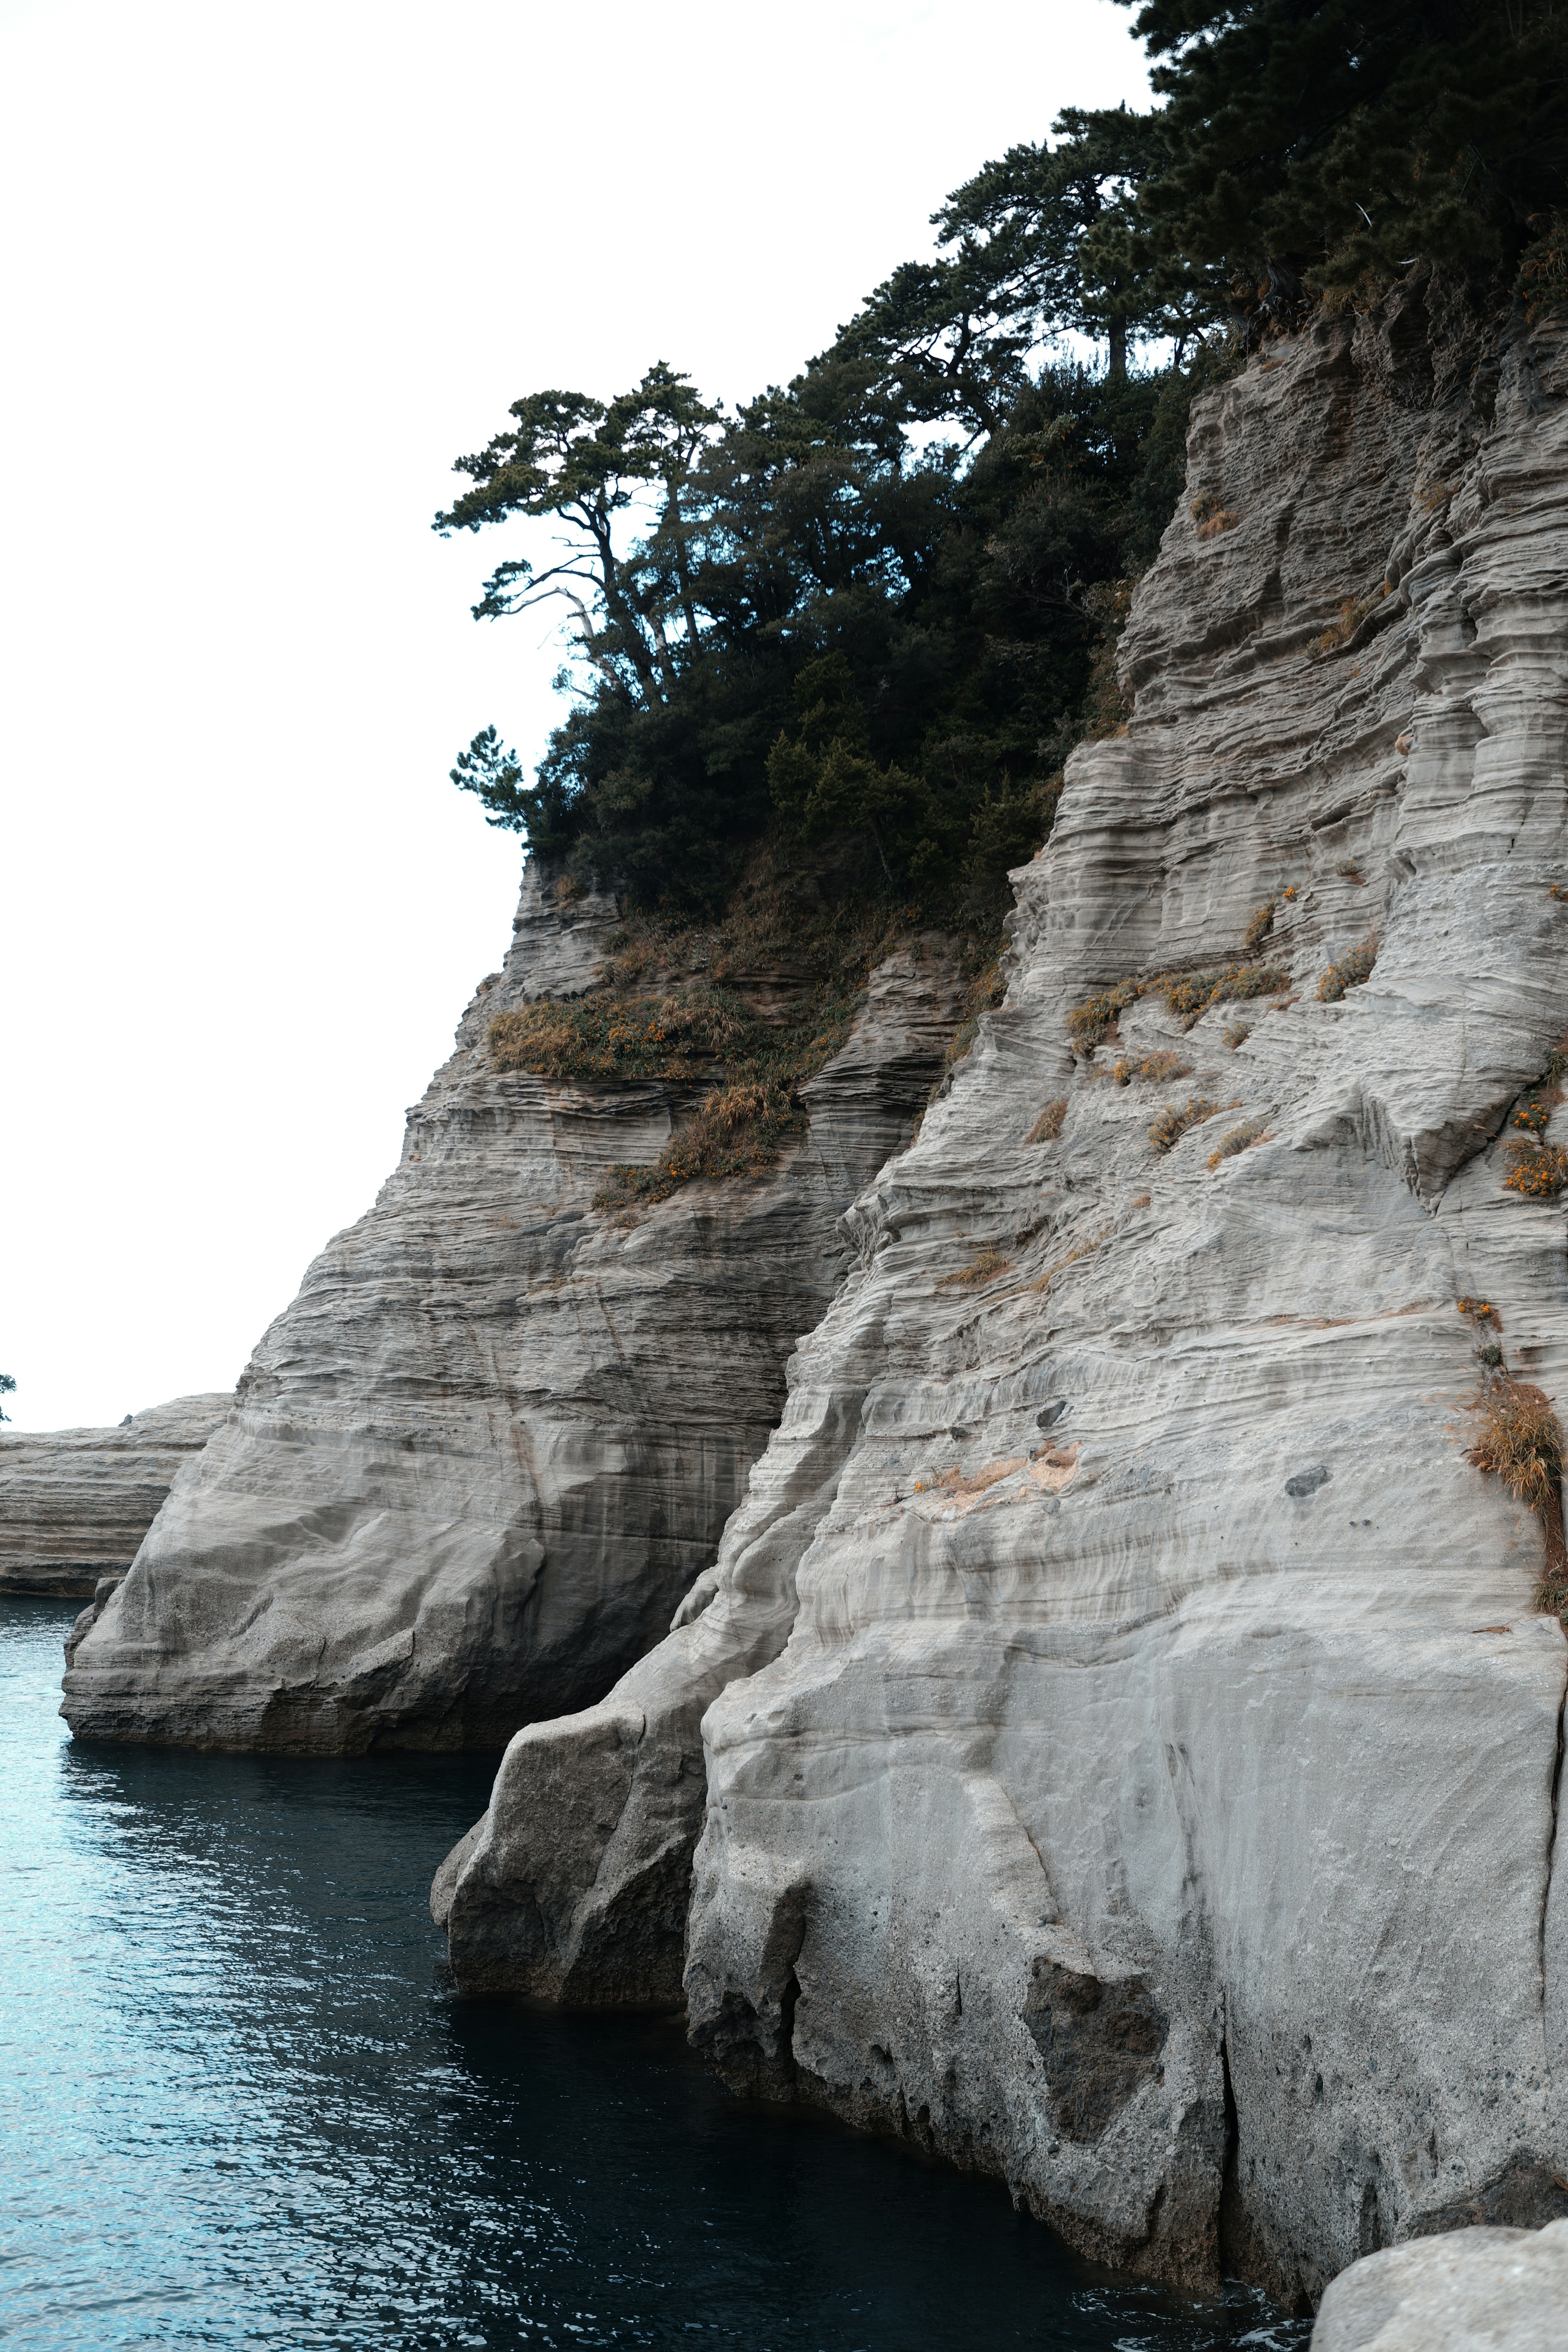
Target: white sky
{"points": [[266, 272]]}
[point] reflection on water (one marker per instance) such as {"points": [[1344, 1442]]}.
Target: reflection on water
{"points": [[242, 2106]]}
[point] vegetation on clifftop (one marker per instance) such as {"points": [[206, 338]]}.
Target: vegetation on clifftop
{"points": [[879, 603]]}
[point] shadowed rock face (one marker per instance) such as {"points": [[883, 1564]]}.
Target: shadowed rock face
{"points": [[479, 1460], [76, 1503], [1116, 1742]]}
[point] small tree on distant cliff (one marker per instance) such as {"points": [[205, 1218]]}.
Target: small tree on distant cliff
{"points": [[7, 1388]]}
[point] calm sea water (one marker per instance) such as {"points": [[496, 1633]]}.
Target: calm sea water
{"points": [[240, 2105]]}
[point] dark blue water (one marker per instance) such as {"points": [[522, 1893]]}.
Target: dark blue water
{"points": [[240, 2105]]}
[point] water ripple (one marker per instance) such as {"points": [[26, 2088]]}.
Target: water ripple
{"points": [[244, 2107]]}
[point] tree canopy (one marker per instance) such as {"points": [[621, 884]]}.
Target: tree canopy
{"points": [[1334, 144], [875, 607]]}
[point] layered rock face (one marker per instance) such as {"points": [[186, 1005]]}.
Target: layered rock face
{"points": [[1118, 1739], [76, 1503], [477, 1460]]}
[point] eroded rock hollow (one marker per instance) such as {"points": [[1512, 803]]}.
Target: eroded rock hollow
{"points": [[1118, 1743]]}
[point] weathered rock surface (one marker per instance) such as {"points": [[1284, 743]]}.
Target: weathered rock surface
{"points": [[76, 1503], [477, 1462], [1468, 2290], [1116, 1737]]}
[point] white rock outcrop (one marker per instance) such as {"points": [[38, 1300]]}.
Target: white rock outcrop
{"points": [[1467, 2291], [1117, 1745], [477, 1462], [76, 1503]]}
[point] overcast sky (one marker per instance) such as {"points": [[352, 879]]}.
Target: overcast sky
{"points": [[266, 273]]}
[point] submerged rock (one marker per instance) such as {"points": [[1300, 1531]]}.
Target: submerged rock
{"points": [[477, 1462], [1117, 1745], [76, 1503]]}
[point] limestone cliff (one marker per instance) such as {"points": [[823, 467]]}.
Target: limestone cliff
{"points": [[76, 1503], [476, 1463], [1118, 1744]]}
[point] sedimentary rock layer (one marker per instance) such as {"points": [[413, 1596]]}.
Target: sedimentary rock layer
{"points": [[1118, 1737], [76, 1503], [477, 1460]]}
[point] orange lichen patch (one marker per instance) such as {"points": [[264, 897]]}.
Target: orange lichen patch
{"points": [[953, 1486], [1054, 1467]]}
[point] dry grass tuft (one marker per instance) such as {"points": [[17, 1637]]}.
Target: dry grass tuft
{"points": [[1143, 1201], [1240, 1138], [1226, 519], [1087, 1023], [1260, 923], [984, 1268], [1048, 1124], [1238, 1034], [1349, 972], [1157, 1068], [1189, 995], [986, 991], [1520, 1441], [1072, 1257], [1539, 1171], [1350, 615], [1349, 870], [1172, 1124]]}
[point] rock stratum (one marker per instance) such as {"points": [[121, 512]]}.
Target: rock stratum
{"points": [[76, 1503], [1117, 1745], [475, 1465]]}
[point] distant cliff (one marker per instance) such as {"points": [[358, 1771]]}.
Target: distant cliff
{"points": [[1118, 1744], [76, 1503], [478, 1462]]}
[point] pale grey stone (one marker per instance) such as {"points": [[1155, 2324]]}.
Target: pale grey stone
{"points": [[76, 1503], [1089, 1808], [1468, 2290]]}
